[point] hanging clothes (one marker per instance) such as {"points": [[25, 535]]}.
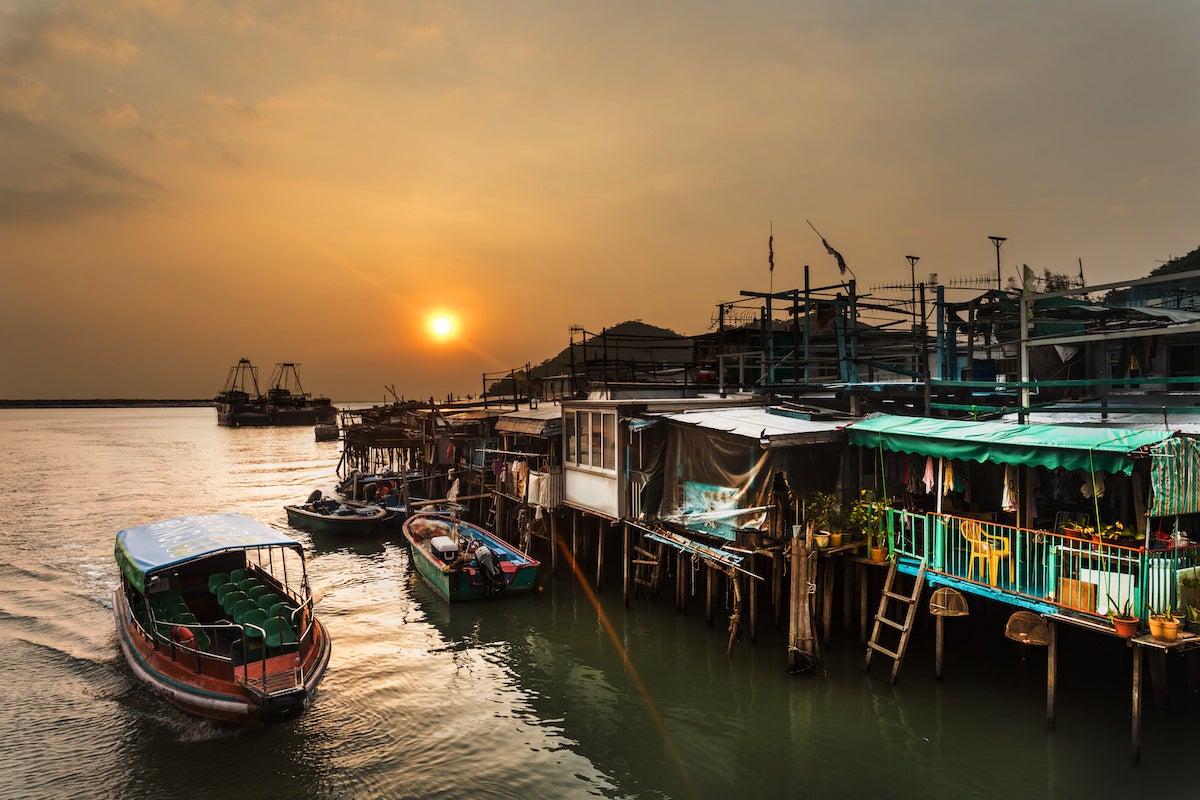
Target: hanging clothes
{"points": [[930, 477], [1011, 494], [947, 477]]}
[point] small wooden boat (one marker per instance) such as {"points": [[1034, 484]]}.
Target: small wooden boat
{"points": [[214, 612], [326, 515], [463, 561]]}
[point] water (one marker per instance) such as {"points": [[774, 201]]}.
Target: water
{"points": [[563, 694]]}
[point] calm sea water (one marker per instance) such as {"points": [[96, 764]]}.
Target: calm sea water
{"points": [[559, 695]]}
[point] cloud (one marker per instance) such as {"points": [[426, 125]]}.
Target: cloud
{"points": [[18, 206], [97, 164]]}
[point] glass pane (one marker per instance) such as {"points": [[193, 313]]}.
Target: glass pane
{"points": [[597, 438], [610, 441], [569, 433]]}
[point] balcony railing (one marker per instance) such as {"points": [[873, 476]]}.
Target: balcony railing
{"points": [[1080, 575]]}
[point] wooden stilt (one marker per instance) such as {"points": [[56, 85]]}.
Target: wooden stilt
{"points": [[1136, 742], [847, 590], [625, 563], [1051, 668], [864, 582], [777, 586], [680, 581], [802, 645], [1157, 661], [708, 595], [938, 649], [826, 599], [599, 551], [751, 565], [554, 544]]}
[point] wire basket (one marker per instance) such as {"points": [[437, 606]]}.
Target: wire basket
{"points": [[947, 602], [1027, 628]]}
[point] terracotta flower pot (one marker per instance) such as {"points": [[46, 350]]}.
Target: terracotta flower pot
{"points": [[1126, 627], [1165, 629], [835, 539], [878, 553]]}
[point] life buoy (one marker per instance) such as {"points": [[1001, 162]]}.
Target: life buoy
{"points": [[181, 634]]}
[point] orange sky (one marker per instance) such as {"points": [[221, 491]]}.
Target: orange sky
{"points": [[186, 184]]}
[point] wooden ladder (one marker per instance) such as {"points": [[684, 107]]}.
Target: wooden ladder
{"points": [[883, 622]]}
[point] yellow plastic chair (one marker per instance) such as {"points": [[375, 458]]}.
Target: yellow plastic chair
{"points": [[986, 550]]}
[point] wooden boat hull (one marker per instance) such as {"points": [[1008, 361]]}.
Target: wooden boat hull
{"points": [[215, 688], [464, 581], [349, 525]]}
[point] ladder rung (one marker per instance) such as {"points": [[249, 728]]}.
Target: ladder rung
{"points": [[897, 625], [882, 649], [906, 598], [643, 561]]}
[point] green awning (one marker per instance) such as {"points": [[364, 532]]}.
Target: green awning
{"points": [[1067, 446]]}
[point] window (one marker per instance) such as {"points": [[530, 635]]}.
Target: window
{"points": [[591, 439]]}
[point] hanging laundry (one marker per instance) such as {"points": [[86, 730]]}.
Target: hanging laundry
{"points": [[930, 477], [1010, 496], [947, 477]]}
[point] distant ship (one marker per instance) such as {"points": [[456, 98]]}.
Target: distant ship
{"points": [[242, 405]]}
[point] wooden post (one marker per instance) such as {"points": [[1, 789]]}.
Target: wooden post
{"points": [[801, 641], [826, 597], [1051, 669], [864, 582], [938, 648], [1158, 677], [753, 599], [777, 586], [554, 544], [708, 595], [625, 562], [599, 550], [847, 588], [1136, 743]]}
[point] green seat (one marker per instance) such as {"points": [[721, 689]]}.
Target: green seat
{"points": [[203, 642], [246, 584], [160, 601], [253, 621], [258, 591], [279, 634], [240, 608], [215, 580], [238, 575], [224, 589], [269, 599], [177, 612], [231, 600], [281, 609]]}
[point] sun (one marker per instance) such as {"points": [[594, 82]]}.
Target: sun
{"points": [[442, 326]]}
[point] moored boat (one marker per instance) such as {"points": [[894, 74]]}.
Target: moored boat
{"points": [[327, 515], [214, 612], [240, 403], [463, 561]]}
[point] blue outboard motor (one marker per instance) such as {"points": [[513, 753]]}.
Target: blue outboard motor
{"points": [[489, 567]]}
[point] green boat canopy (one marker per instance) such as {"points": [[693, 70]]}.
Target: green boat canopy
{"points": [[149, 548], [1067, 446]]}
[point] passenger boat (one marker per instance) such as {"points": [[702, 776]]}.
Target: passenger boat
{"points": [[327, 515], [462, 561], [214, 612]]}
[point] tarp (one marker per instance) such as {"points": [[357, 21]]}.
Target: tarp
{"points": [[149, 548], [1068, 446], [768, 427], [532, 422], [1175, 478]]}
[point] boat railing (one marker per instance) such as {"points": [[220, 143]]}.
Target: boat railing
{"points": [[1086, 576]]}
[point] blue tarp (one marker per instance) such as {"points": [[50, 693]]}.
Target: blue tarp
{"points": [[149, 548]]}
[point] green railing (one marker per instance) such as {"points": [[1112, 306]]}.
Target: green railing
{"points": [[1081, 575]]}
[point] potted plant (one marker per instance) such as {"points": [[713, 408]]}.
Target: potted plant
{"points": [[1192, 621], [1164, 625], [819, 509], [869, 515], [1123, 620]]}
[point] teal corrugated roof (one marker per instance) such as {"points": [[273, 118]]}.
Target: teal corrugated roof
{"points": [[1068, 446]]}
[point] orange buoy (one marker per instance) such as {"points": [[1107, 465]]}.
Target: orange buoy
{"points": [[181, 634]]}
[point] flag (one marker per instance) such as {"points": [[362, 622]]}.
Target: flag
{"points": [[841, 262], [771, 252]]}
